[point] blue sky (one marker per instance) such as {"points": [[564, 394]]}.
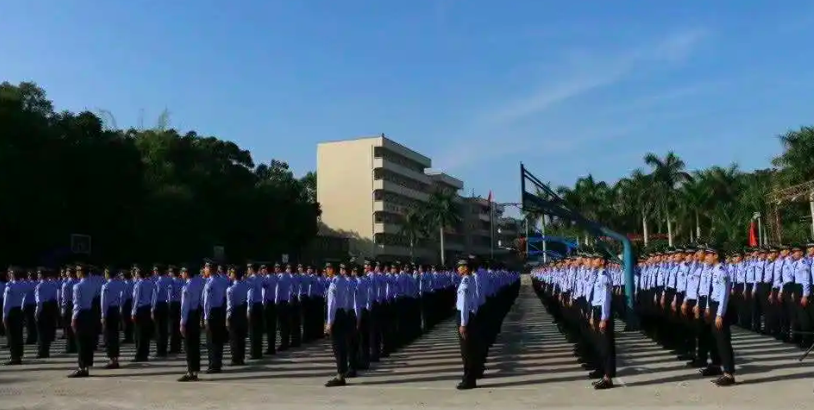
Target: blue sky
{"points": [[568, 87]]}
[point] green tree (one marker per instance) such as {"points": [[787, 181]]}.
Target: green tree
{"points": [[441, 213]]}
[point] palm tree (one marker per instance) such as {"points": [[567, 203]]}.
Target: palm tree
{"points": [[668, 174], [413, 228], [638, 198], [441, 213]]}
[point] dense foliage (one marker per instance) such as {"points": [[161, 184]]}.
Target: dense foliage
{"points": [[143, 195], [708, 205]]}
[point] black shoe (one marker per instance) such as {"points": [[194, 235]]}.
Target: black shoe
{"points": [[213, 371], [466, 386], [350, 374], [603, 384], [79, 374], [237, 363], [724, 381], [188, 378], [335, 382], [711, 371], [112, 366], [595, 374], [13, 363]]}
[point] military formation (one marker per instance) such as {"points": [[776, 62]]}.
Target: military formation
{"points": [[368, 310], [580, 292], [686, 299]]}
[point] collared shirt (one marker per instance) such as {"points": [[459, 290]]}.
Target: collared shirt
{"points": [[236, 298], [191, 294], [142, 294], [721, 288], [13, 297], [45, 291], [254, 285], [83, 293], [465, 299], [338, 295], [284, 288], [111, 295], [162, 290], [214, 294], [270, 288]]}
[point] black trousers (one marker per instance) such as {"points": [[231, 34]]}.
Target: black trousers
{"points": [[375, 331], [307, 323], [192, 341], [85, 333], [161, 317], [30, 319], [127, 320], [353, 341], [470, 355], [270, 317], [70, 337], [256, 330], [2, 326], [216, 336], [111, 331], [238, 329], [284, 321], [723, 340], [14, 333], [606, 343], [46, 327], [363, 334], [339, 341], [175, 327], [144, 332], [96, 318], [296, 322]]}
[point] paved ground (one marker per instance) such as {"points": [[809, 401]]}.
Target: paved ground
{"points": [[531, 367]]}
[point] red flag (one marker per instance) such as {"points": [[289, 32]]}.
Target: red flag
{"points": [[752, 234]]}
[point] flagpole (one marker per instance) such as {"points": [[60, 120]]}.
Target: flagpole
{"points": [[491, 229]]}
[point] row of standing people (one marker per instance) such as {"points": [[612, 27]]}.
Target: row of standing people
{"points": [[395, 305], [579, 293], [483, 298]]}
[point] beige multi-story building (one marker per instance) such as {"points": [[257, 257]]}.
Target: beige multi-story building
{"points": [[365, 186]]}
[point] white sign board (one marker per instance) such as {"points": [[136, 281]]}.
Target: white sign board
{"points": [[218, 253], [284, 258]]}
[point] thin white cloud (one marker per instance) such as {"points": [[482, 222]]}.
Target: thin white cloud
{"points": [[588, 73]]}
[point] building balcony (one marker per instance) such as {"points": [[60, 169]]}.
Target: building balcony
{"points": [[401, 170], [380, 184], [384, 227]]}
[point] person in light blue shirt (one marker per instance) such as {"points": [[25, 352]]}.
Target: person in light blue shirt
{"points": [[13, 317], [270, 308], [254, 301], [126, 277], [285, 284], [111, 301], [141, 313], [466, 307], [190, 322], [82, 321], [237, 322], [602, 319], [723, 360], [175, 309], [337, 323], [47, 310], [30, 308], [160, 309], [214, 312]]}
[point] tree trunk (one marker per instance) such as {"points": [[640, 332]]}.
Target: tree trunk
{"points": [[443, 256], [669, 231], [697, 226], [412, 248], [645, 233], [692, 237]]}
